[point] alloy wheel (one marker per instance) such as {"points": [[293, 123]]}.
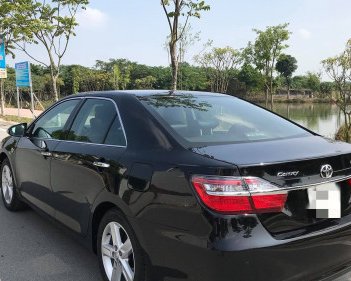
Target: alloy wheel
{"points": [[7, 184], [117, 253]]}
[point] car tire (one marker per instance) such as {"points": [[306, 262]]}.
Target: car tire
{"points": [[118, 249], [9, 192]]}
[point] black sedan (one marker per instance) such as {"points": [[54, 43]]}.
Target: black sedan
{"points": [[185, 186]]}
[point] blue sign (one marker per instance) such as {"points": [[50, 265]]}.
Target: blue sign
{"points": [[2, 52], [23, 74]]}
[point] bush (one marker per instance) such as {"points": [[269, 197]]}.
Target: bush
{"points": [[341, 134]]}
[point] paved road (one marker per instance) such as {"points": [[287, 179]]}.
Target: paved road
{"points": [[34, 249]]}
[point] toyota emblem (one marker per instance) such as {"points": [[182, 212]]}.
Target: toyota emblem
{"points": [[326, 171]]}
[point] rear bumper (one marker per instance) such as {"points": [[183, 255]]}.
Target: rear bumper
{"points": [[240, 248]]}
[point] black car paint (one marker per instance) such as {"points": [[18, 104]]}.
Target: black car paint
{"points": [[149, 181]]}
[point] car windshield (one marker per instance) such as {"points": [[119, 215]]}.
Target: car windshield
{"points": [[205, 120]]}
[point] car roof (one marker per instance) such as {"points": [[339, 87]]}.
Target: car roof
{"points": [[144, 93]]}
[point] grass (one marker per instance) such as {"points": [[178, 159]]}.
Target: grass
{"points": [[16, 119]]}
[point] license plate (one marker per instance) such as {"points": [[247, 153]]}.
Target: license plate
{"points": [[325, 199]]}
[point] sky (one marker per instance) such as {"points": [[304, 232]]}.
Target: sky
{"points": [[137, 30]]}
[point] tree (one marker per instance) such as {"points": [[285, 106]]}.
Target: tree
{"points": [[145, 83], [121, 70], [175, 11], [313, 81], [49, 24], [327, 88], [5, 27], [286, 66], [338, 69], [220, 63], [9, 41], [186, 41], [252, 78], [83, 79], [193, 78], [264, 52]]}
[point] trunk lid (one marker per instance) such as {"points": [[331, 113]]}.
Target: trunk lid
{"points": [[296, 164]]}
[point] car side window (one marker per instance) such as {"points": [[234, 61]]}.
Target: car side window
{"points": [[93, 121], [116, 135], [52, 124]]}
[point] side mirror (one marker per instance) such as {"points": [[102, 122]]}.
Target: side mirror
{"points": [[17, 130]]}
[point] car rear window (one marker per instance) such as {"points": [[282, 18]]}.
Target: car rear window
{"points": [[205, 120]]}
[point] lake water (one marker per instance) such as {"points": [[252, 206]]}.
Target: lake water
{"points": [[321, 118]]}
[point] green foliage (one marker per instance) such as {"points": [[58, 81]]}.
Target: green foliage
{"points": [[121, 70], [41, 81], [327, 88], [192, 78], [220, 64], [177, 100], [85, 79], [178, 14], [145, 83], [76, 78], [313, 81], [339, 70], [286, 66], [50, 24], [36, 22], [265, 51], [268, 46], [253, 79], [310, 81], [299, 82], [125, 73], [186, 8]]}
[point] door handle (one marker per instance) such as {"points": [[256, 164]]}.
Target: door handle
{"points": [[101, 165], [46, 153]]}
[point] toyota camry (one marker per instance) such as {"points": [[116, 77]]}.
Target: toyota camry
{"points": [[185, 186]]}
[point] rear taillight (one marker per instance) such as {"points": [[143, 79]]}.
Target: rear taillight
{"points": [[238, 195]]}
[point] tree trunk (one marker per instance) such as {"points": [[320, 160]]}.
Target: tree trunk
{"points": [[271, 91], [54, 87], [174, 64], [2, 96], [267, 92], [288, 92], [347, 133]]}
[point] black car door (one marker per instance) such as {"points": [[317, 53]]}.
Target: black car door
{"points": [[87, 162], [33, 154]]}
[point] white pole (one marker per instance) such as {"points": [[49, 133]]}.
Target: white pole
{"points": [[18, 102], [2, 103], [31, 89], [32, 99]]}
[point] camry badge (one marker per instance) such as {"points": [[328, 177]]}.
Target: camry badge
{"points": [[326, 171], [288, 174]]}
